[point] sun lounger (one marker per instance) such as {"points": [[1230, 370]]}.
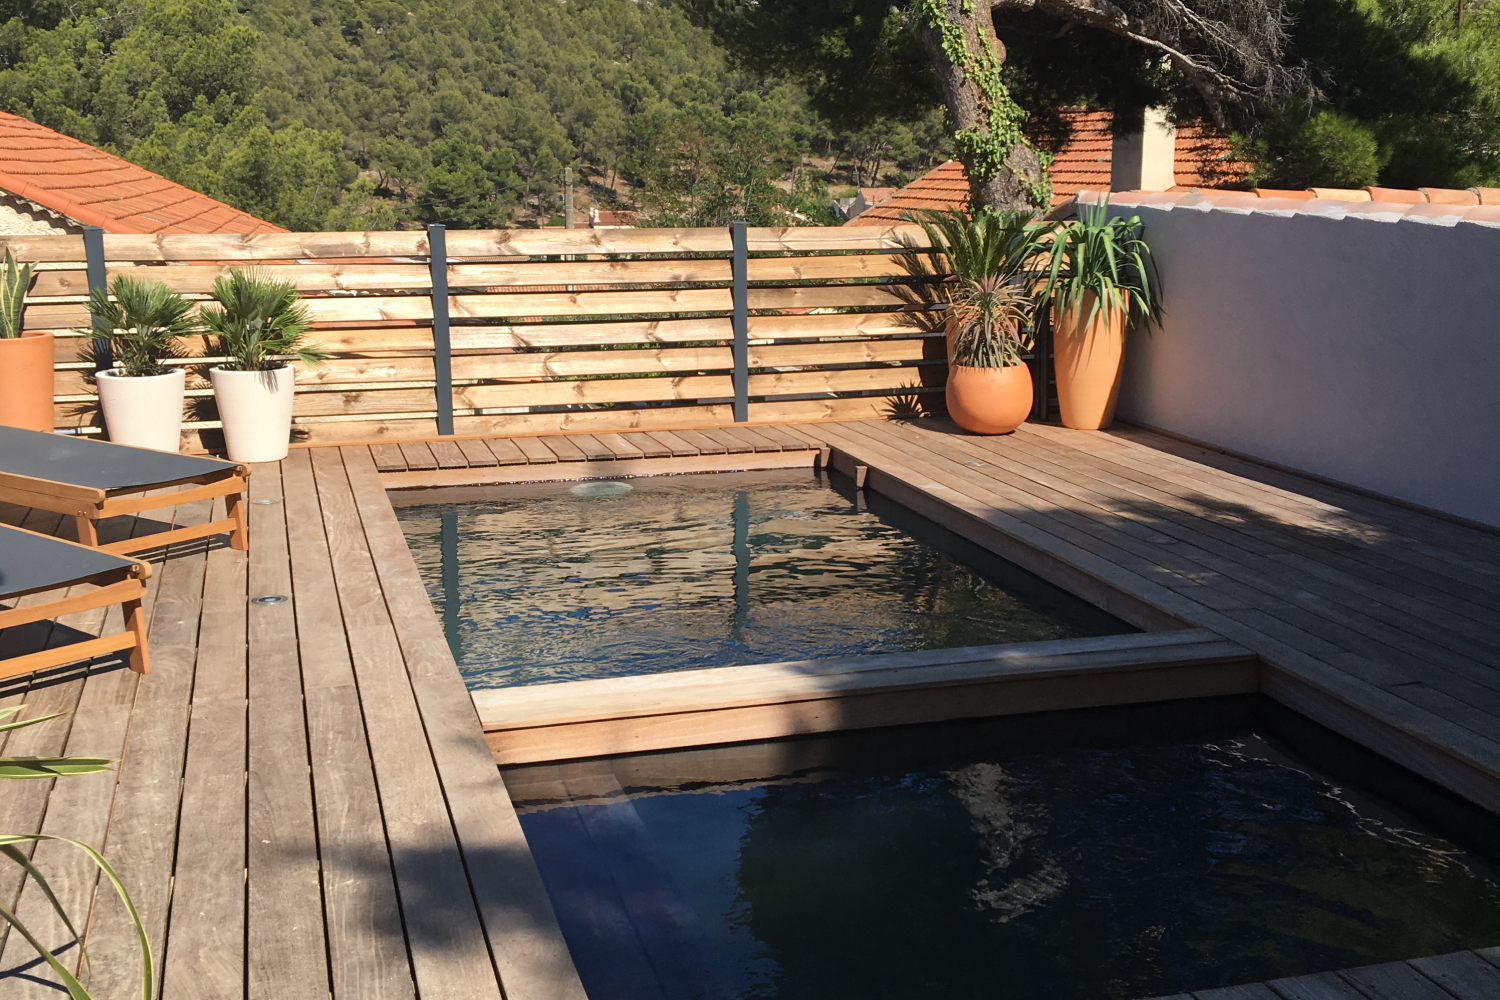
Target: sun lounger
{"points": [[89, 480], [31, 563]]}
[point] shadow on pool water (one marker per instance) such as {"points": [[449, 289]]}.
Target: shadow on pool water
{"points": [[1103, 855]]}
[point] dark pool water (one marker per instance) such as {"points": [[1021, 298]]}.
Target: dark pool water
{"points": [[1101, 857], [561, 581]]}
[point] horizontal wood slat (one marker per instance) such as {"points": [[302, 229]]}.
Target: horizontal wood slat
{"points": [[471, 243]]}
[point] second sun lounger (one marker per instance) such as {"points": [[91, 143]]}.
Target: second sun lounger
{"points": [[90, 480], [31, 563]]}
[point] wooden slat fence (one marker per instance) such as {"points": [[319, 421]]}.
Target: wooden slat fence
{"points": [[551, 330]]}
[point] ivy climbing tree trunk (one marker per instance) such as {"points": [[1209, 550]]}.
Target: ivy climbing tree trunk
{"points": [[1004, 170]]}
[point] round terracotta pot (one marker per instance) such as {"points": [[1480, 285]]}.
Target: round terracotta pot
{"points": [[1087, 353], [989, 400], [26, 381]]}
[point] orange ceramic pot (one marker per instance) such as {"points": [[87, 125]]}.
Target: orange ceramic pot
{"points": [[1087, 355], [26, 381], [989, 400]]}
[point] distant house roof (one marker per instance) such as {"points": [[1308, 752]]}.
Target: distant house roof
{"points": [[70, 179], [1083, 163]]}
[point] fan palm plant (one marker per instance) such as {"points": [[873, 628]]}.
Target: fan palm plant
{"points": [[10, 847], [145, 319], [258, 322], [992, 287]]}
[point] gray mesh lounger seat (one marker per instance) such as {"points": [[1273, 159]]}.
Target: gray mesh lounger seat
{"points": [[32, 563], [89, 480]]}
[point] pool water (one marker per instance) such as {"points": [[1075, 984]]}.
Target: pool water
{"points": [[561, 581], [1090, 856]]}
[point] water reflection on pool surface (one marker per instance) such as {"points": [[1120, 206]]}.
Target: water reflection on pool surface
{"points": [[565, 581], [1095, 856]]}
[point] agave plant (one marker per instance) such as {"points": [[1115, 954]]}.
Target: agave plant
{"points": [[1096, 253], [14, 281], [993, 284], [259, 321], [52, 767], [145, 319]]}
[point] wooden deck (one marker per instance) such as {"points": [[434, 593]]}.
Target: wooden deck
{"points": [[1380, 622], [305, 805], [1459, 975]]}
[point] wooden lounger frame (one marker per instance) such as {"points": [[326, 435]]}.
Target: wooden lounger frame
{"points": [[124, 585], [87, 505]]}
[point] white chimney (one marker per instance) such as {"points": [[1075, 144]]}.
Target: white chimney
{"points": [[1142, 159]]}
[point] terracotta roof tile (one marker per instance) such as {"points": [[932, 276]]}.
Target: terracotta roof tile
{"points": [[944, 186], [92, 187]]}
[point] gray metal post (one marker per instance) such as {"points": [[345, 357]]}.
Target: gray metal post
{"points": [[442, 347], [93, 255], [740, 271]]}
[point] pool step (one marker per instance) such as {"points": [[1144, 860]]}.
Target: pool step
{"points": [[547, 722]]}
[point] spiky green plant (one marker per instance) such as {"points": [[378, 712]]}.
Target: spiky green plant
{"points": [[992, 288], [145, 319], [51, 767], [259, 321], [14, 282], [1106, 255]]}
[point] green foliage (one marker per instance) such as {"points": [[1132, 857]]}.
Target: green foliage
{"points": [[144, 319], [1098, 253], [1409, 77], [14, 283], [349, 113], [991, 293], [259, 321], [49, 767], [1326, 149], [701, 167]]}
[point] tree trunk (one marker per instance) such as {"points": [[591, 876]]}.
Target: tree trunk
{"points": [[1010, 188]]}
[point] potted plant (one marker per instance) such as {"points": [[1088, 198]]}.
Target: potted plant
{"points": [[1101, 276], [25, 355], [141, 397], [257, 324], [991, 295]]}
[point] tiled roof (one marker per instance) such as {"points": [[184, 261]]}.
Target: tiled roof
{"points": [[89, 186], [1083, 162], [944, 186]]}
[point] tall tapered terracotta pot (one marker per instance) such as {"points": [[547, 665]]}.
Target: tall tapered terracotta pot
{"points": [[1087, 353], [26, 381], [989, 400]]}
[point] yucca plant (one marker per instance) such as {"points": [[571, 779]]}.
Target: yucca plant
{"points": [[259, 321], [992, 287], [145, 318], [14, 282], [1104, 255], [52, 767]]}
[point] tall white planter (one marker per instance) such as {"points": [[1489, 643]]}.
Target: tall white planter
{"points": [[256, 409], [146, 411]]}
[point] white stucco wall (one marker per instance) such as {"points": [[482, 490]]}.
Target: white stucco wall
{"points": [[1353, 342]]}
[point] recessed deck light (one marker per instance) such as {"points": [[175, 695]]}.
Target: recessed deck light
{"points": [[269, 599], [266, 500]]}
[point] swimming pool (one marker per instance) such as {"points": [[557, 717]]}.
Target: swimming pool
{"points": [[1103, 855], [564, 581]]}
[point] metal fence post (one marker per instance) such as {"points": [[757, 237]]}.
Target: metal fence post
{"points": [[93, 255], [741, 321], [442, 347]]}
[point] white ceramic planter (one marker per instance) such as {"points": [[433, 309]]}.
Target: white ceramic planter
{"points": [[144, 412], [256, 409]]}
